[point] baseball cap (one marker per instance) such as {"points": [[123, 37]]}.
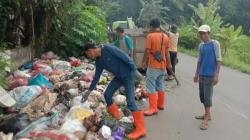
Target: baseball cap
{"points": [[204, 28], [5, 99]]}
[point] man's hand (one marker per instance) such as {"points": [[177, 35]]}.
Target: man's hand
{"points": [[144, 65], [85, 96], [196, 78], [215, 80]]}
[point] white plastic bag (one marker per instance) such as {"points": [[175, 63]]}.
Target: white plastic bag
{"points": [[105, 131], [73, 126], [61, 65], [25, 94]]}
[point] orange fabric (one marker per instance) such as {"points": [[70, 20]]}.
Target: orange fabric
{"points": [[153, 44]]}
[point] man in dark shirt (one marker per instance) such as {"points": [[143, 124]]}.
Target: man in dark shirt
{"points": [[123, 68]]}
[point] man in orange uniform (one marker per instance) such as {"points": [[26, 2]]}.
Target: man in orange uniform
{"points": [[156, 68]]}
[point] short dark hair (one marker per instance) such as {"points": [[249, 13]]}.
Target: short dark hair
{"points": [[174, 28], [120, 29], [155, 23], [88, 46]]}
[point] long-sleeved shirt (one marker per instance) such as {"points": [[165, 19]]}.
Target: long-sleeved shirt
{"points": [[115, 61]]}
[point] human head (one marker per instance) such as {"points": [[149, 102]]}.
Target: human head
{"points": [[174, 29], [204, 32], [155, 23], [91, 50], [119, 31]]}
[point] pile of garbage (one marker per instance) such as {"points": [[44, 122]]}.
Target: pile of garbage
{"points": [[43, 102]]}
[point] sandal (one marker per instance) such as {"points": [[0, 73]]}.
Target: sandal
{"points": [[170, 78], [201, 118], [204, 126]]}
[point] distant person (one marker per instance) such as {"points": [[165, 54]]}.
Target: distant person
{"points": [[115, 61], [207, 71], [155, 60], [124, 42], [174, 37]]}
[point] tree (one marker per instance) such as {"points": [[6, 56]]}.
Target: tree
{"points": [[236, 12], [151, 9]]}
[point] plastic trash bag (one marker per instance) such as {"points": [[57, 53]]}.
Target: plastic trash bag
{"points": [[40, 106], [6, 136], [28, 65], [5, 99], [39, 125], [73, 126], [40, 80], [21, 74], [17, 82], [53, 135], [15, 124], [75, 63], [61, 65], [78, 113], [105, 131], [77, 102], [120, 100], [119, 133], [48, 55], [24, 95]]}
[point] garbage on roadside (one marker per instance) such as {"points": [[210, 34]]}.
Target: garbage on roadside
{"points": [[43, 102]]}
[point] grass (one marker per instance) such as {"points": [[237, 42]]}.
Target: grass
{"points": [[230, 60]]}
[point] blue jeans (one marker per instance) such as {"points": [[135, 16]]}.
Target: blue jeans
{"points": [[155, 80], [129, 85]]}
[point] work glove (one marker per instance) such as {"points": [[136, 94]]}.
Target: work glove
{"points": [[85, 96]]}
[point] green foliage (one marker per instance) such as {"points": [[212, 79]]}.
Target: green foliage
{"points": [[76, 24], [188, 36], [4, 62], [234, 44]]}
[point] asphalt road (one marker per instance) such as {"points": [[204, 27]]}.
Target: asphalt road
{"points": [[230, 115]]}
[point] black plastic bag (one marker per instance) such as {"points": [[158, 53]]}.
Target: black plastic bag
{"points": [[15, 124]]}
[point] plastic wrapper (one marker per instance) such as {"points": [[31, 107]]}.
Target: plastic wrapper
{"points": [[25, 94], [15, 124]]}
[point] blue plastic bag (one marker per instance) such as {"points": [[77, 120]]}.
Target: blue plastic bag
{"points": [[40, 80]]}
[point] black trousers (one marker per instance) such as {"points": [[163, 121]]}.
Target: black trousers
{"points": [[173, 57]]}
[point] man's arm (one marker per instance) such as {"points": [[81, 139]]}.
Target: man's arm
{"points": [[196, 76], [169, 65], [145, 59], [98, 73], [218, 60], [130, 46]]}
